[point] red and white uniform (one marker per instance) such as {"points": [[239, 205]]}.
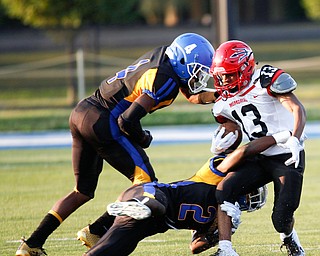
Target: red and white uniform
{"points": [[257, 112]]}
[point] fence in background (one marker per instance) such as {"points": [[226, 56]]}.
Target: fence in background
{"points": [[47, 79], [44, 81]]}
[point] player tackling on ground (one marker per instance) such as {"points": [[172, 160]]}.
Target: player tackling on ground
{"points": [[262, 103], [152, 208]]}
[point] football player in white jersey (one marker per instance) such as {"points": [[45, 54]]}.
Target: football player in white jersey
{"points": [[262, 103]]}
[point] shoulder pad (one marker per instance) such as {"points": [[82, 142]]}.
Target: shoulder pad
{"points": [[284, 83], [268, 74], [214, 162]]}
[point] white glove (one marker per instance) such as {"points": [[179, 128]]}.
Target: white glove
{"points": [[220, 144], [233, 211], [294, 145]]}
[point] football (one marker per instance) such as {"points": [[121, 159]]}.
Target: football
{"points": [[231, 126]]}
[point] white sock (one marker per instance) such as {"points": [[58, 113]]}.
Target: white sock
{"points": [[294, 236], [225, 244], [283, 235]]}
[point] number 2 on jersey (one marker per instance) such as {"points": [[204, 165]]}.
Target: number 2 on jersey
{"points": [[197, 212]]}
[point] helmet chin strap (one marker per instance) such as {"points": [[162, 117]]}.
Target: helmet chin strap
{"points": [[184, 80]]}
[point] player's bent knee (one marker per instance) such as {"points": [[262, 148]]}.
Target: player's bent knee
{"points": [[81, 198], [158, 204], [156, 207], [282, 221], [220, 196]]}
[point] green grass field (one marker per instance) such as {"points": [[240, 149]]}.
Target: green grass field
{"points": [[32, 180]]}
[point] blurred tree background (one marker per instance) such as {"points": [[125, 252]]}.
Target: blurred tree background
{"points": [[34, 35], [78, 13]]}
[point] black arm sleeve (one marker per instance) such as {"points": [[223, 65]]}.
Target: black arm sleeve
{"points": [[129, 123]]}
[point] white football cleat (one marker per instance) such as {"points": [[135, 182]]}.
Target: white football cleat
{"points": [[132, 209], [292, 244], [225, 252]]}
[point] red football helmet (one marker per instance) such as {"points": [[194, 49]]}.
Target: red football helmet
{"points": [[236, 58]]}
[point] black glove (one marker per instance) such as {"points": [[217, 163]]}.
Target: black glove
{"points": [[146, 139]]}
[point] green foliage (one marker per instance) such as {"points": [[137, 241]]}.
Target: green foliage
{"points": [[32, 180], [312, 9], [44, 14], [155, 11], [70, 14], [127, 12]]}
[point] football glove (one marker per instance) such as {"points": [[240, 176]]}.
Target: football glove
{"points": [[146, 140], [220, 144], [203, 241], [295, 147], [233, 211]]}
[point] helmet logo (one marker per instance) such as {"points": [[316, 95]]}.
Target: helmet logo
{"points": [[240, 54], [189, 48]]}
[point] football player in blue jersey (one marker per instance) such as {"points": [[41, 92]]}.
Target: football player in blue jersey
{"points": [[150, 208], [106, 125]]}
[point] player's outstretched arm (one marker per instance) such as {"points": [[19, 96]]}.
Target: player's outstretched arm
{"points": [[252, 148], [199, 98]]}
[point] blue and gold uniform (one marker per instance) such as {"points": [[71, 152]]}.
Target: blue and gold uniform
{"points": [[208, 173], [191, 205], [94, 122], [151, 74], [188, 205], [106, 125]]}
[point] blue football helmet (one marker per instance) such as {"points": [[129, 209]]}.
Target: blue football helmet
{"points": [[191, 57]]}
